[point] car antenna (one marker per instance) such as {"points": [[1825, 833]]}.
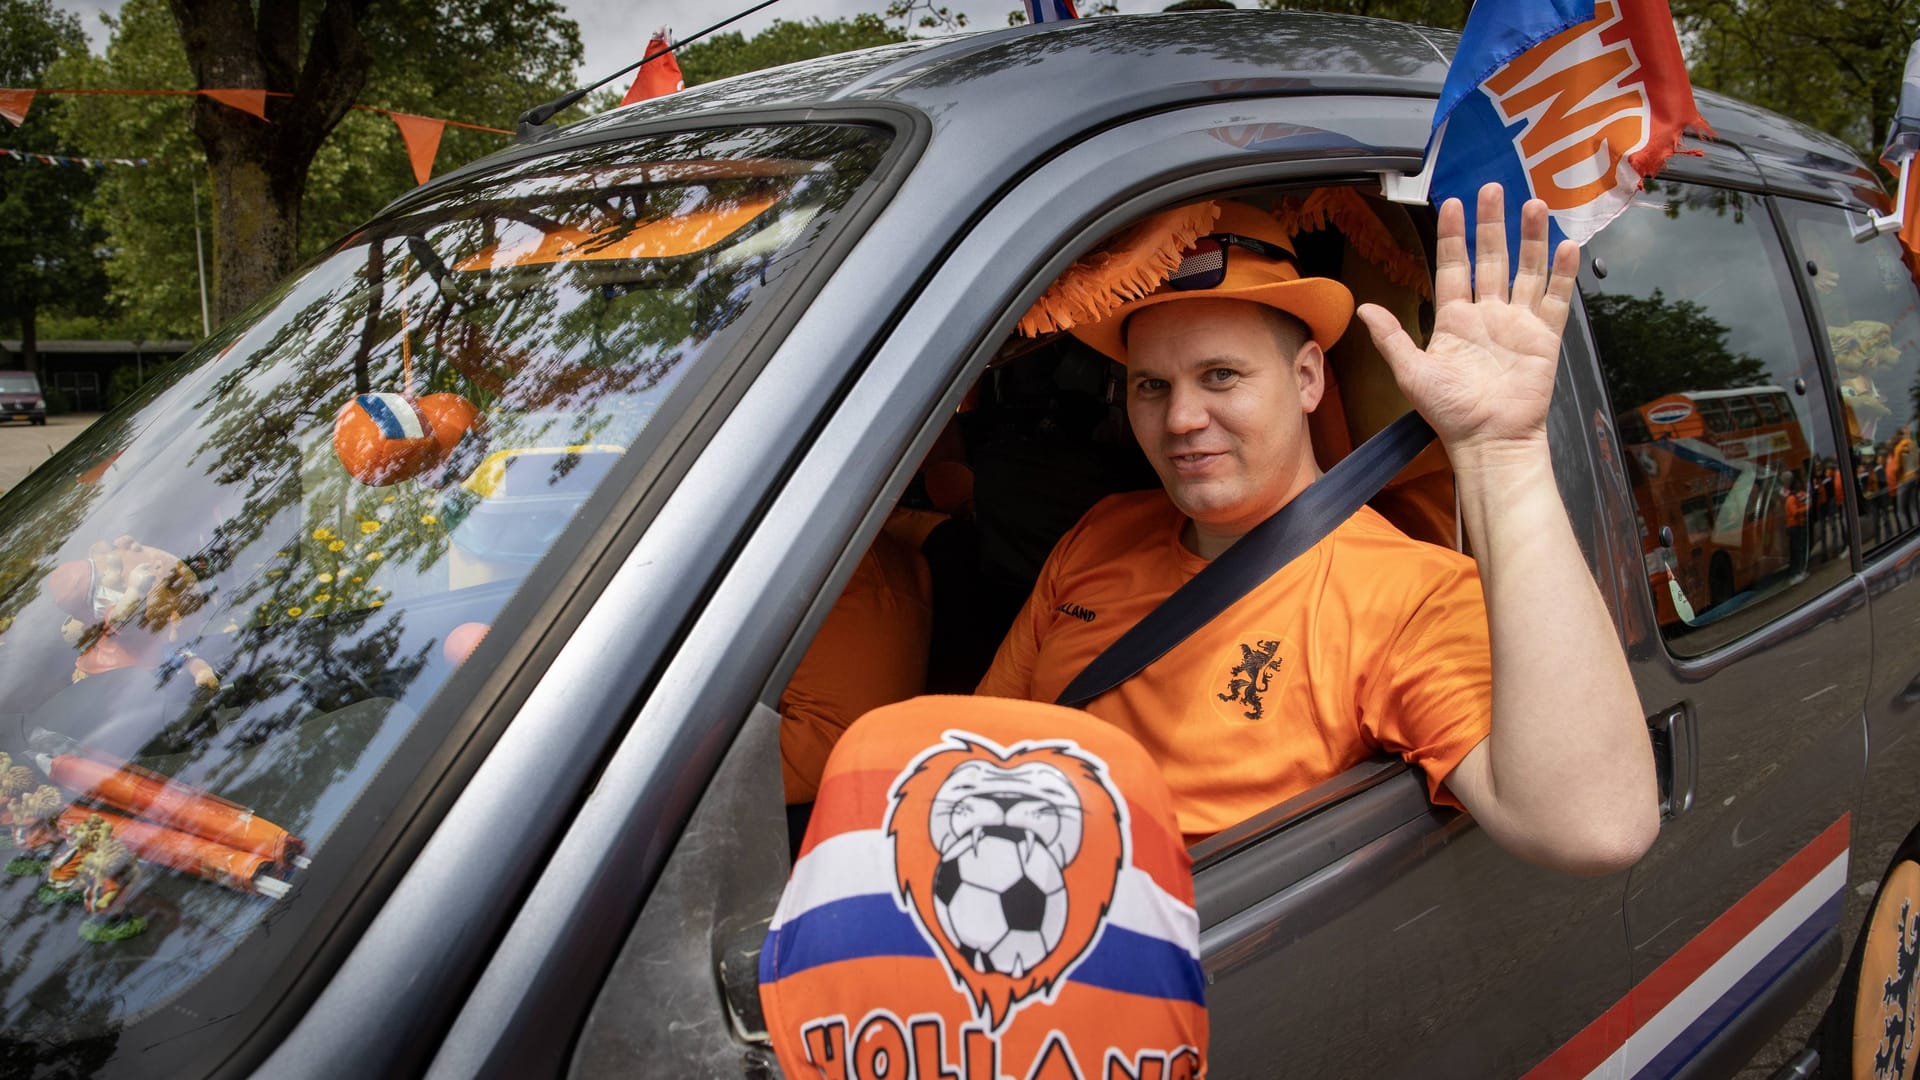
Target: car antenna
{"points": [[537, 117]]}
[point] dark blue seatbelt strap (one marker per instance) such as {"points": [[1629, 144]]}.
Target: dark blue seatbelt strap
{"points": [[1255, 557]]}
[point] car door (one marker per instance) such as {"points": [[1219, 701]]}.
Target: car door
{"points": [[1860, 281], [1355, 931], [1753, 646]]}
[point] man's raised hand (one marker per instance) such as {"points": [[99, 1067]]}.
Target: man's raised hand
{"points": [[1485, 379]]}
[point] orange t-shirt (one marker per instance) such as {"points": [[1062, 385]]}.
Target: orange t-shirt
{"points": [[871, 651], [1370, 641]]}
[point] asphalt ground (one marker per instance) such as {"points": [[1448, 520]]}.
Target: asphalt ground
{"points": [[24, 446]]}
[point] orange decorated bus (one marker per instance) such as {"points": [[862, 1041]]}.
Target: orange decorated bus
{"points": [[1707, 467]]}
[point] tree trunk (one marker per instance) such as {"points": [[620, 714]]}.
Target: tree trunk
{"points": [[259, 168], [256, 209]]}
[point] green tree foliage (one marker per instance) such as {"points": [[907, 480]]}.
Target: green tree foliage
{"points": [[1835, 65], [47, 247], [1650, 346], [145, 213], [784, 42], [481, 61]]}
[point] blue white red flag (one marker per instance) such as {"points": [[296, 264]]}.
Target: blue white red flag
{"points": [[1039, 11], [1568, 101], [1902, 155], [1014, 898]]}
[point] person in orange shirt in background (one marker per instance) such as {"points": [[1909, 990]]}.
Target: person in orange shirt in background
{"points": [[1835, 528], [1509, 687], [1798, 504], [1903, 466], [870, 651]]}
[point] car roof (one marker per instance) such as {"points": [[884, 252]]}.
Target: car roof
{"points": [[1067, 78]]}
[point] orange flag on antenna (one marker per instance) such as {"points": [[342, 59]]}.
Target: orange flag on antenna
{"points": [[247, 101], [14, 105], [656, 78], [422, 136]]}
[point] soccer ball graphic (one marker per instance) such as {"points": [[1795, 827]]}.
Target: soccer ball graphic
{"points": [[1005, 836]]}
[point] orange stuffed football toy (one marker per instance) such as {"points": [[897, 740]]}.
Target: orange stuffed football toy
{"points": [[384, 439]]}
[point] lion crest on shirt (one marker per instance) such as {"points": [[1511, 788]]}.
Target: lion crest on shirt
{"points": [[1250, 679], [1008, 859]]}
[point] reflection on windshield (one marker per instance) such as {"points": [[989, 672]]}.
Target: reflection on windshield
{"points": [[224, 608]]}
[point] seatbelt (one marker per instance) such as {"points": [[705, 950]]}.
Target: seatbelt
{"points": [[1255, 557]]}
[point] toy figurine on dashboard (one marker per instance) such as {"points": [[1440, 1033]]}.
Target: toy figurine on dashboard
{"points": [[32, 816], [125, 602]]}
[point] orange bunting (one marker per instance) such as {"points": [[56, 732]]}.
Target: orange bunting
{"points": [[253, 102], [1346, 210], [422, 136], [14, 105], [656, 78]]}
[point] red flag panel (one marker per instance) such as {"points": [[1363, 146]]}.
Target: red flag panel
{"points": [[656, 78]]}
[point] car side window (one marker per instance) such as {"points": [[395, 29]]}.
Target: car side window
{"points": [[1717, 396], [1868, 306]]}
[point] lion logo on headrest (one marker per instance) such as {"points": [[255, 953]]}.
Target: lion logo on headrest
{"points": [[1008, 860]]}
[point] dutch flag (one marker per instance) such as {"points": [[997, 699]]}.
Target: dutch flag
{"points": [[1044, 11], [1569, 101]]}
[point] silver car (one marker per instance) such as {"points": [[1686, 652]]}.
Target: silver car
{"points": [[403, 665]]}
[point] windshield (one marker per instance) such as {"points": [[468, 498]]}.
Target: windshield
{"points": [[224, 607], [18, 384]]}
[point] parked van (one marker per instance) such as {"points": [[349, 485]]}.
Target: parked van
{"points": [[20, 397], [418, 641]]}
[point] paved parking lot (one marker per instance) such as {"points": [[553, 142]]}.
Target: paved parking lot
{"points": [[23, 446]]}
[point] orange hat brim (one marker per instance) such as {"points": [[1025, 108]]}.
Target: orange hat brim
{"points": [[1323, 304]]}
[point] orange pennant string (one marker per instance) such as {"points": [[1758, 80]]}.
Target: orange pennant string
{"points": [[253, 102], [14, 105], [422, 136], [14, 102]]}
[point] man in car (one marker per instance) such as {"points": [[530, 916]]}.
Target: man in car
{"points": [[1507, 686]]}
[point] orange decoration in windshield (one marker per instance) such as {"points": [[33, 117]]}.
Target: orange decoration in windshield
{"points": [[182, 851], [662, 239], [169, 802]]}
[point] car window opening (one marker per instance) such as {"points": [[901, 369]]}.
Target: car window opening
{"points": [[1042, 436]]}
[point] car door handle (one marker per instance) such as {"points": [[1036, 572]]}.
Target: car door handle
{"points": [[1672, 732]]}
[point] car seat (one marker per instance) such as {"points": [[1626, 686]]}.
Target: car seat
{"points": [[1383, 262], [987, 887]]}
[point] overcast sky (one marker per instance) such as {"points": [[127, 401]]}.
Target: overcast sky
{"points": [[615, 31]]}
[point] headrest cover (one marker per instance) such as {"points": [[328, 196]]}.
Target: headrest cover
{"points": [[987, 887]]}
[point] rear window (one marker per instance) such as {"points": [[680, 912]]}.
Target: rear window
{"points": [[224, 608]]}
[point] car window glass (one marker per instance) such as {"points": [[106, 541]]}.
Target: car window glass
{"points": [[1717, 398], [1870, 311], [226, 605]]}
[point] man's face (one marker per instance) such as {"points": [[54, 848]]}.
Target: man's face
{"points": [[1219, 402]]}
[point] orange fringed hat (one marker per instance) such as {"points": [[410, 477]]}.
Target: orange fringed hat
{"points": [[1095, 295], [1136, 261], [1269, 277]]}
